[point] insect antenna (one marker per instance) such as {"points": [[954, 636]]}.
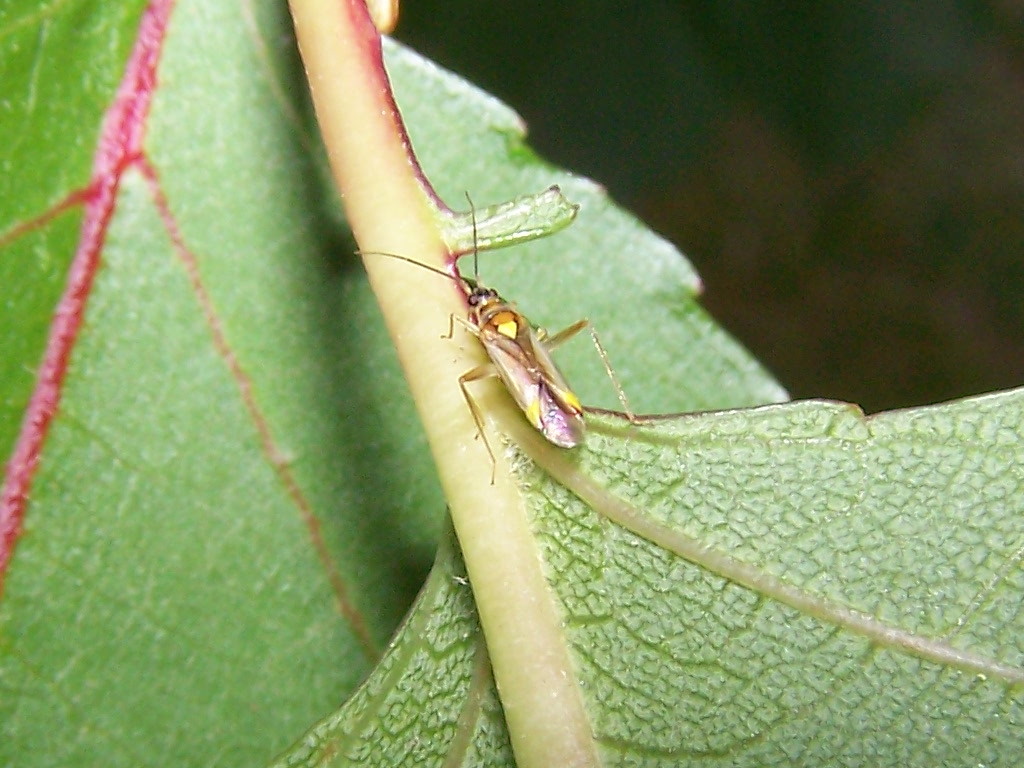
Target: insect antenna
{"points": [[470, 285], [409, 260], [476, 250]]}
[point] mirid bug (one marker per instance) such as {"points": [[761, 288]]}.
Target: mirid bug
{"points": [[520, 355]]}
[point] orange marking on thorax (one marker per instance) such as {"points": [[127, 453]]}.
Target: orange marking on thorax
{"points": [[507, 323]]}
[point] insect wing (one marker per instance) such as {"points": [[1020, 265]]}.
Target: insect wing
{"points": [[537, 386]]}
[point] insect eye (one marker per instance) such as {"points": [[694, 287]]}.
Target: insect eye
{"points": [[481, 295]]}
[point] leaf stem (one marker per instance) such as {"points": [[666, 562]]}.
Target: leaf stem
{"points": [[392, 209]]}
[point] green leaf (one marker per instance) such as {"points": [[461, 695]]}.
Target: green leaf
{"points": [[851, 548], [723, 603], [58, 71], [430, 700], [216, 547], [516, 221]]}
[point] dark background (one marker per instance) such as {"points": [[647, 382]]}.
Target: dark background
{"points": [[847, 178]]}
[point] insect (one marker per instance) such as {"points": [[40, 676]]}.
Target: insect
{"points": [[520, 355]]}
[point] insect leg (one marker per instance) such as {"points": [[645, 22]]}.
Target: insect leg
{"points": [[452, 318], [480, 372], [550, 342], [611, 375]]}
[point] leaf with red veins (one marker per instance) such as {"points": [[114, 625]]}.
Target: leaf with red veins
{"points": [[158, 474]]}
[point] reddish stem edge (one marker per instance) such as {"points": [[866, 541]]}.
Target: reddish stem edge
{"points": [[362, 22]]}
